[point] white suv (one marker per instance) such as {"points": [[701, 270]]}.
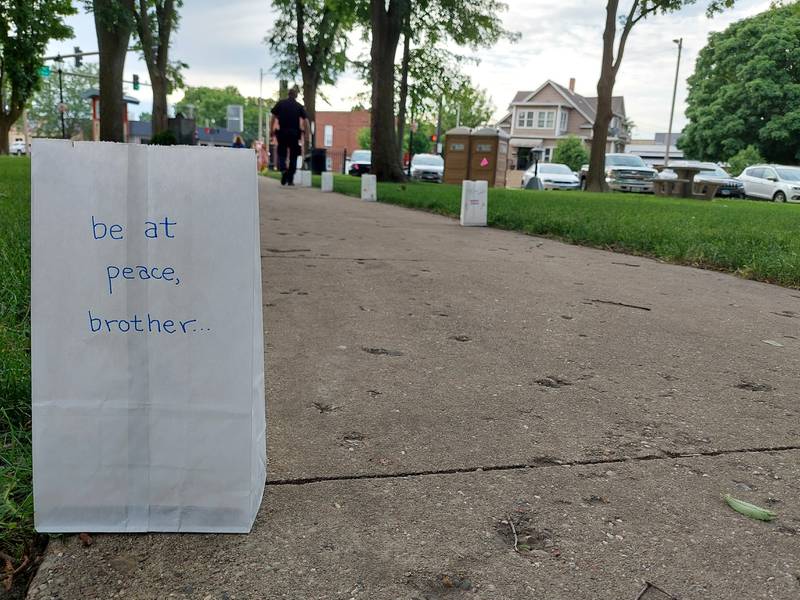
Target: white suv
{"points": [[772, 182], [17, 147]]}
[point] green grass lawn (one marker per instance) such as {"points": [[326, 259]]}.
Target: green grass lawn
{"points": [[756, 240], [17, 537]]}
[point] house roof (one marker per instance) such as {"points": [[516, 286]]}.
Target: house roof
{"points": [[95, 93], [585, 105], [521, 96]]}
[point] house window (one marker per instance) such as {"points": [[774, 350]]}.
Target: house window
{"points": [[562, 126], [328, 135], [548, 154], [525, 119], [546, 119]]}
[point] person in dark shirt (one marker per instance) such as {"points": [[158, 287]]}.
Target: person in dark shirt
{"points": [[292, 120]]}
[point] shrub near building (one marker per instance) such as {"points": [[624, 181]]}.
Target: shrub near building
{"points": [[571, 152]]}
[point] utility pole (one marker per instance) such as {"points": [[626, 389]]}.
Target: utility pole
{"points": [[438, 128], [260, 106], [411, 138], [61, 102], [672, 110]]}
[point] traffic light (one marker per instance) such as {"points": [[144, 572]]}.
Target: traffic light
{"points": [[434, 138], [136, 82], [78, 56]]}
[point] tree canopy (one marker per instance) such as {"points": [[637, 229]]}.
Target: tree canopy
{"points": [[43, 111], [746, 90], [25, 29], [209, 107]]}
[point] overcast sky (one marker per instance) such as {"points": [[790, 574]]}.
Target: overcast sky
{"points": [[223, 44]]}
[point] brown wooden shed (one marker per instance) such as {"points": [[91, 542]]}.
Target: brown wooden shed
{"points": [[488, 156], [456, 155]]}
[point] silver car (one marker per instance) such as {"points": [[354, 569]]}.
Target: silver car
{"points": [[772, 182], [427, 167]]}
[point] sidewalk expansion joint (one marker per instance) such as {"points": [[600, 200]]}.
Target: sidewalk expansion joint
{"points": [[535, 464], [283, 254]]}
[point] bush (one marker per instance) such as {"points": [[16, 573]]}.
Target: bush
{"points": [[165, 138], [743, 159], [571, 152]]}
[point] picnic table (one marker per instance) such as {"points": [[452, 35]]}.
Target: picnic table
{"points": [[684, 185]]}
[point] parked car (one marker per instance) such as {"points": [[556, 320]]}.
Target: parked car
{"points": [[729, 187], [360, 162], [625, 173], [18, 147], [427, 167], [554, 176], [772, 182]]}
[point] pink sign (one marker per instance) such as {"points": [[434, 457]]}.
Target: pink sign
{"points": [[484, 162]]}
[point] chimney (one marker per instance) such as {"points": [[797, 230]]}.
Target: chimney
{"points": [[572, 84]]}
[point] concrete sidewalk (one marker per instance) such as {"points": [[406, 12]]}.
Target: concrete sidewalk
{"points": [[429, 386]]}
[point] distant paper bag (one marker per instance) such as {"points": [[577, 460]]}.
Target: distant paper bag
{"points": [[147, 341], [474, 195]]}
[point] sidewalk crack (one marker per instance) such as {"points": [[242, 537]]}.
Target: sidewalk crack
{"points": [[534, 464]]}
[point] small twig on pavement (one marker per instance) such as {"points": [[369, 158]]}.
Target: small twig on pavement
{"points": [[514, 531]]}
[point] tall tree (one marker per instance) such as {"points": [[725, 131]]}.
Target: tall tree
{"points": [[745, 90], [386, 21], [114, 22], [310, 38], [155, 22], [78, 114], [25, 29], [613, 51], [428, 71]]}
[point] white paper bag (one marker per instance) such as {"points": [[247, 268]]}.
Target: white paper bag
{"points": [[304, 178], [147, 338], [369, 187], [474, 195], [327, 182]]}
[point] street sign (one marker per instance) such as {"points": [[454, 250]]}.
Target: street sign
{"points": [[44, 71], [62, 107]]}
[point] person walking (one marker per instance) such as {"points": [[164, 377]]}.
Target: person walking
{"points": [[292, 120]]}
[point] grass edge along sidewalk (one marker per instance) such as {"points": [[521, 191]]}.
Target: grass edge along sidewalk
{"points": [[754, 240], [19, 542]]}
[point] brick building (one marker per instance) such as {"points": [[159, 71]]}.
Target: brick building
{"points": [[337, 132]]}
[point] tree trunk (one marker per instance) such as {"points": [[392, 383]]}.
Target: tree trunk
{"points": [[401, 111], [113, 36], [596, 181], [154, 38], [386, 25], [160, 118], [5, 127], [310, 104]]}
